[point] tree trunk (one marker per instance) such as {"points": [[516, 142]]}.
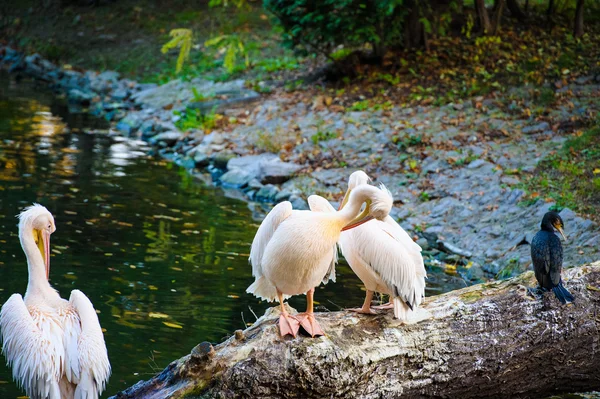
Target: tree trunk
{"points": [[413, 28], [488, 340], [484, 19], [549, 12], [578, 32], [497, 16], [515, 10]]}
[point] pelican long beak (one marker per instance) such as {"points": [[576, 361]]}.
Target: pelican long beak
{"points": [[43, 243], [363, 217], [560, 230], [344, 200]]}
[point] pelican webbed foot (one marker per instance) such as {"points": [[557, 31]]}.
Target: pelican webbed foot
{"points": [[364, 310], [385, 306], [309, 324], [288, 325]]}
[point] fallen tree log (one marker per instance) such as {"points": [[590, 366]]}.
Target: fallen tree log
{"points": [[488, 340]]}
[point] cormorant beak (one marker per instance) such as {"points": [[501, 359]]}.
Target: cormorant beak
{"points": [[344, 200], [363, 217], [560, 230]]}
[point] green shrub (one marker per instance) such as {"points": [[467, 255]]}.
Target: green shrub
{"points": [[322, 26]]}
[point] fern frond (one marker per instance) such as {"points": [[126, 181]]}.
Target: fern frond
{"points": [[182, 38]]}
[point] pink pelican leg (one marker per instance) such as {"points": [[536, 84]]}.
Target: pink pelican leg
{"points": [[287, 324], [307, 319], [366, 307]]}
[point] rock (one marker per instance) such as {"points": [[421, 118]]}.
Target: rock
{"points": [[476, 164], [254, 184], [333, 177], [514, 196], [201, 159], [282, 196], [236, 178], [213, 138], [180, 92], [423, 243], [147, 128], [298, 203], [169, 138], [540, 127], [80, 96], [131, 123], [277, 172], [267, 193], [251, 163], [221, 159], [120, 94]]}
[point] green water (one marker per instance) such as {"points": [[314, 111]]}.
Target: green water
{"points": [[162, 256]]}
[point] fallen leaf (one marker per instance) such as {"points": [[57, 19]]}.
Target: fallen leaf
{"points": [[172, 325]]}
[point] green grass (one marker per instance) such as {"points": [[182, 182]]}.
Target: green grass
{"points": [[570, 176]]}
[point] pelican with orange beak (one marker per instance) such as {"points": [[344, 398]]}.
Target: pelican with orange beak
{"points": [[295, 250]]}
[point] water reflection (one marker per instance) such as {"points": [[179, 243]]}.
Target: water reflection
{"points": [[163, 258]]}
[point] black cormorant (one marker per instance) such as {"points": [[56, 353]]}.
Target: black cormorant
{"points": [[547, 256]]}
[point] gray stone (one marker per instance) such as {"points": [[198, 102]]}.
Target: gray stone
{"points": [[298, 203], [540, 127], [236, 178], [169, 138], [80, 97], [476, 164], [147, 128], [277, 172], [120, 94], [423, 243], [201, 159], [515, 196], [267, 193], [251, 163], [131, 123], [255, 184], [282, 196], [221, 159]]}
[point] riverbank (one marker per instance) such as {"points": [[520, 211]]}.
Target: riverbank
{"points": [[459, 172]]}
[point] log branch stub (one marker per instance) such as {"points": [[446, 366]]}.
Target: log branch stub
{"points": [[488, 340]]}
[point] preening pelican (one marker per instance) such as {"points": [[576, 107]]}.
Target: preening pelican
{"points": [[293, 251], [382, 255], [55, 347]]}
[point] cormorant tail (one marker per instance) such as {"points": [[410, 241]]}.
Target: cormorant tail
{"points": [[563, 294]]}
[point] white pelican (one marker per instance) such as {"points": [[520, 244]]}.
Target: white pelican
{"points": [[293, 251], [382, 255], [55, 347]]}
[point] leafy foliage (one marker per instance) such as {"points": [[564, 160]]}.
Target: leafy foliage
{"points": [[322, 26], [571, 176], [234, 49], [183, 39]]}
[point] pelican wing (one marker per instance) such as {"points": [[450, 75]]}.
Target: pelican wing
{"points": [[317, 203], [267, 228], [32, 345], [92, 357], [393, 257]]}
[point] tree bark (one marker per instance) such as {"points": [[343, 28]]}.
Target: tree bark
{"points": [[484, 341], [578, 31], [484, 19], [497, 16]]}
